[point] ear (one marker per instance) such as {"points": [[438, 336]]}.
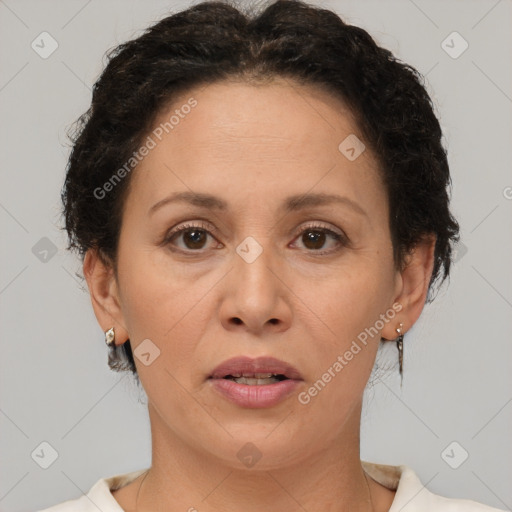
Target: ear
{"points": [[412, 286], [104, 293]]}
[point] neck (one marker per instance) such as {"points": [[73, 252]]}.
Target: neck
{"points": [[185, 478]]}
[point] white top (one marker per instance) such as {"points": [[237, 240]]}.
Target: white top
{"points": [[410, 496]]}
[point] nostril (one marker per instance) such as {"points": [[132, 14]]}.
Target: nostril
{"points": [[237, 320]]}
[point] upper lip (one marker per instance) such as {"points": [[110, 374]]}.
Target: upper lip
{"points": [[247, 367]]}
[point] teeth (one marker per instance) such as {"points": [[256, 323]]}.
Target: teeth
{"points": [[252, 375], [256, 381]]}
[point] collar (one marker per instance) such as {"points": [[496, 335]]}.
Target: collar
{"points": [[410, 494]]}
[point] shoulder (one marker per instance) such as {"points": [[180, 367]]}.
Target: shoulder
{"points": [[99, 496], [411, 495]]}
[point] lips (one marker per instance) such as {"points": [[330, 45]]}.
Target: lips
{"points": [[255, 383], [259, 368]]}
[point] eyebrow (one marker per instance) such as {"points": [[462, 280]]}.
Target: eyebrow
{"points": [[291, 204]]}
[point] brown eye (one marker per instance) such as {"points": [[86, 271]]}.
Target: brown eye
{"points": [[194, 238], [314, 238], [189, 238]]}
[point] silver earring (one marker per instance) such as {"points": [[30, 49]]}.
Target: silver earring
{"points": [[110, 337], [400, 347]]}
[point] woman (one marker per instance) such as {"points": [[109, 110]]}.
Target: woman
{"points": [[259, 201]]}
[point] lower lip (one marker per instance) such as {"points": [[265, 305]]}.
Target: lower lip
{"points": [[257, 396]]}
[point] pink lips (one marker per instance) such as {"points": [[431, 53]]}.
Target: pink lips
{"points": [[255, 396]]}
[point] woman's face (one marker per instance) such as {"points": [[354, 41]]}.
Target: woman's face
{"points": [[265, 268]]}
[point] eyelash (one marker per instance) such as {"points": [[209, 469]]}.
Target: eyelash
{"points": [[338, 237]]}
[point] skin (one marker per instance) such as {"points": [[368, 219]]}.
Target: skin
{"points": [[253, 146]]}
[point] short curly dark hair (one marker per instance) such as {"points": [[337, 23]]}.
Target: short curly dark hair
{"points": [[214, 41]]}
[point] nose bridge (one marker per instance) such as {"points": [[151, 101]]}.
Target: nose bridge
{"points": [[254, 263], [255, 293]]}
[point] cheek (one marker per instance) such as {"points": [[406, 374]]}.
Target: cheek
{"points": [[342, 362], [162, 304], [350, 298], [174, 304], [347, 304], [173, 310]]}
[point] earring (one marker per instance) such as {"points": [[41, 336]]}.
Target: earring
{"points": [[110, 337], [400, 347]]}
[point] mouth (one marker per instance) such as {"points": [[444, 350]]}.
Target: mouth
{"points": [[256, 379], [255, 383], [255, 372]]}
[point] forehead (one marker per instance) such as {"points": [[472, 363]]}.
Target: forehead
{"points": [[267, 136]]}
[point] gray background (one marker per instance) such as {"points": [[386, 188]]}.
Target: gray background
{"points": [[55, 383]]}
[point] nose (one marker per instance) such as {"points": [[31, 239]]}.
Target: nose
{"points": [[256, 298]]}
